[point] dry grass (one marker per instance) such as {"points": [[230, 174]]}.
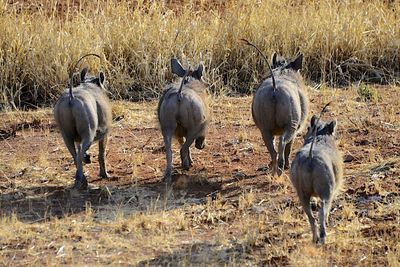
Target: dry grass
{"points": [[343, 41]]}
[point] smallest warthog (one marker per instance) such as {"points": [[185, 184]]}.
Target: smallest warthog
{"points": [[83, 115], [183, 112], [317, 172]]}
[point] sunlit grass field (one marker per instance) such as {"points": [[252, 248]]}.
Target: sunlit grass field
{"points": [[343, 42]]}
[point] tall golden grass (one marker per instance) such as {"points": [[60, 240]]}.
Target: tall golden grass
{"points": [[343, 41]]}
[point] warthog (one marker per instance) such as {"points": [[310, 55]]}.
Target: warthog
{"points": [[83, 115], [318, 172], [183, 112], [280, 107]]}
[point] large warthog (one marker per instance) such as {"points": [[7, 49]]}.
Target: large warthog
{"points": [[83, 115], [317, 171], [183, 112], [280, 107]]}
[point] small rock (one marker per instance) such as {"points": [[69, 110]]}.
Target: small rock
{"points": [[239, 174], [119, 118], [232, 142], [364, 142], [348, 158], [257, 209], [248, 147], [60, 251], [263, 169]]}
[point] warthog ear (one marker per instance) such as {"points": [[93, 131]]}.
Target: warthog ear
{"points": [[83, 74], [198, 73], [277, 60], [296, 64], [177, 68], [313, 120], [331, 127], [102, 77]]}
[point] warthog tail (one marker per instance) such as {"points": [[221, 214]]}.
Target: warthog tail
{"points": [[315, 128], [180, 87], [265, 58], [71, 74]]}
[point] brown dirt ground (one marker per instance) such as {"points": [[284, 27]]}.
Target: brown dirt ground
{"points": [[36, 173]]}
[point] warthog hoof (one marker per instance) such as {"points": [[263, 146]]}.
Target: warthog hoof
{"points": [[281, 163], [81, 184], [286, 165], [274, 170], [200, 142], [199, 146], [104, 175], [167, 176], [167, 179], [86, 159], [322, 236], [313, 205], [280, 167], [186, 165]]}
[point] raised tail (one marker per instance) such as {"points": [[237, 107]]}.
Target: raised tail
{"points": [[315, 128], [266, 60], [180, 87], [71, 74]]}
